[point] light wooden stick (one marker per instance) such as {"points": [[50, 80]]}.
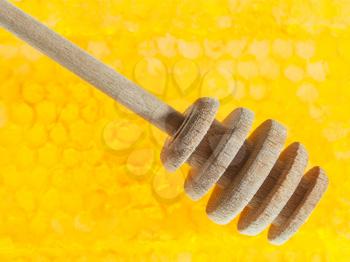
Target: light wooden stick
{"points": [[248, 175]]}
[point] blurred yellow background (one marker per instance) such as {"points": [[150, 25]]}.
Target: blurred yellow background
{"points": [[80, 176]]}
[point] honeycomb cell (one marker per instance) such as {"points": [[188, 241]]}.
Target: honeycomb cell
{"points": [[317, 112], [225, 67], [152, 74], [37, 179], [56, 93], [103, 175], [90, 111], [185, 75], [48, 155], [317, 71], [257, 91], [305, 49], [212, 80], [94, 155], [235, 47], [269, 69], [25, 199], [189, 50], [81, 134], [167, 45], [71, 157], [259, 48], [213, 49], [224, 22], [22, 113], [131, 26], [46, 112], [11, 135], [95, 201], [121, 135], [37, 135], [61, 223], [72, 200], [147, 48], [167, 186], [239, 90], [39, 224], [80, 92], [294, 73], [11, 177], [60, 180], [58, 134], [25, 157], [33, 92], [342, 151], [51, 204], [84, 223], [69, 113], [247, 69], [307, 93], [282, 48], [9, 91], [335, 131], [140, 162]]}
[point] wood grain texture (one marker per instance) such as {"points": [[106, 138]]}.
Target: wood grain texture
{"points": [[299, 207], [266, 143], [198, 119], [276, 190], [225, 147]]}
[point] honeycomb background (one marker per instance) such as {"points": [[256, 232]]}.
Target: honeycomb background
{"points": [[80, 176]]}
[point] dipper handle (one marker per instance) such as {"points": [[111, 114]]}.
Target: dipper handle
{"points": [[252, 175]]}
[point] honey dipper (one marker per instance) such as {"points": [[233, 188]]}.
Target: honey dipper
{"points": [[249, 175]]}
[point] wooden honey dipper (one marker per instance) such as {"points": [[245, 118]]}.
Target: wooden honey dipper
{"points": [[249, 175]]}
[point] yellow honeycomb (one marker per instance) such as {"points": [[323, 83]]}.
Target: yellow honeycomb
{"points": [[80, 176]]}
